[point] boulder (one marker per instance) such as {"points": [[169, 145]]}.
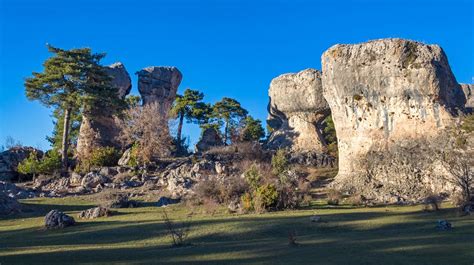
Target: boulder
{"points": [[99, 127], [468, 90], [14, 191], [384, 94], [95, 212], [57, 219], [91, 180], [164, 201], [443, 225], [209, 138], [117, 200], [8, 205], [297, 109], [125, 158], [10, 159]]}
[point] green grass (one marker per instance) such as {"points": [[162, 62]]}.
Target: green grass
{"points": [[381, 235]]}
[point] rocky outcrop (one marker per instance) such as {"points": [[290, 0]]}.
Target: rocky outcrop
{"points": [[14, 191], [56, 219], [10, 159], [385, 93], [296, 110], [98, 127], [468, 90], [209, 138], [159, 84], [8, 205], [95, 212]]}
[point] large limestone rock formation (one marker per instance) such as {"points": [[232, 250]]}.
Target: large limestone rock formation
{"points": [[10, 159], [159, 84], [98, 128], [296, 110], [385, 93], [468, 90]]}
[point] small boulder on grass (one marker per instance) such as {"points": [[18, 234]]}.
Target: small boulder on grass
{"points": [[56, 219], [443, 225], [95, 212], [117, 200], [164, 201]]}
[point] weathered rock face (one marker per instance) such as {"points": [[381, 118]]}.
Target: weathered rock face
{"points": [[386, 92], [56, 219], [120, 79], [468, 90], [10, 159], [209, 138], [8, 205], [159, 84], [99, 128], [296, 109], [95, 212]]}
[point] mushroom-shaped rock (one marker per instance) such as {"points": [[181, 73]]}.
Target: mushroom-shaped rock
{"points": [[98, 127], [384, 92], [159, 84], [120, 78], [468, 90], [296, 111]]}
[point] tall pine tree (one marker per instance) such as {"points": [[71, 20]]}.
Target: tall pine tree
{"points": [[71, 80]]}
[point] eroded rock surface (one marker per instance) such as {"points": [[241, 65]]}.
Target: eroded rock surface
{"points": [[99, 128], [468, 90], [296, 109], [159, 84], [56, 219], [10, 159], [209, 138], [384, 93]]}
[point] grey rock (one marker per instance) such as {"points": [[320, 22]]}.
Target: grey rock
{"points": [[95, 212], [159, 84], [8, 205], [56, 219], [108, 171], [297, 109], [164, 201], [384, 94], [120, 79], [123, 161], [93, 180], [209, 138], [118, 200], [468, 90], [443, 225], [10, 159], [99, 127]]}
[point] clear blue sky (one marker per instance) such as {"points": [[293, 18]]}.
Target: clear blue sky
{"points": [[223, 48]]}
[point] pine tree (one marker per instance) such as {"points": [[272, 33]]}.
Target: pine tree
{"points": [[230, 112], [189, 106], [72, 80], [252, 130]]}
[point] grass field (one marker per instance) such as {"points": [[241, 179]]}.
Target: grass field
{"points": [[379, 235]]}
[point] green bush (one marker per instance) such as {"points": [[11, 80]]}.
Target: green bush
{"points": [[134, 160], [104, 157], [246, 202], [49, 164], [279, 162], [266, 197], [252, 177], [30, 165]]}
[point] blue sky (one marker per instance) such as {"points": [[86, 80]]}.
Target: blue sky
{"points": [[223, 48]]}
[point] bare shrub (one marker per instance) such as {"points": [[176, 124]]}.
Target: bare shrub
{"points": [[334, 197], [178, 232], [146, 127], [432, 203]]}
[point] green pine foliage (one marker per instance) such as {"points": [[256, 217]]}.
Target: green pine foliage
{"points": [[230, 113], [253, 130]]}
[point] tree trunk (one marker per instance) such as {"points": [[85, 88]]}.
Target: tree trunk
{"points": [[65, 142], [180, 127], [226, 128]]}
